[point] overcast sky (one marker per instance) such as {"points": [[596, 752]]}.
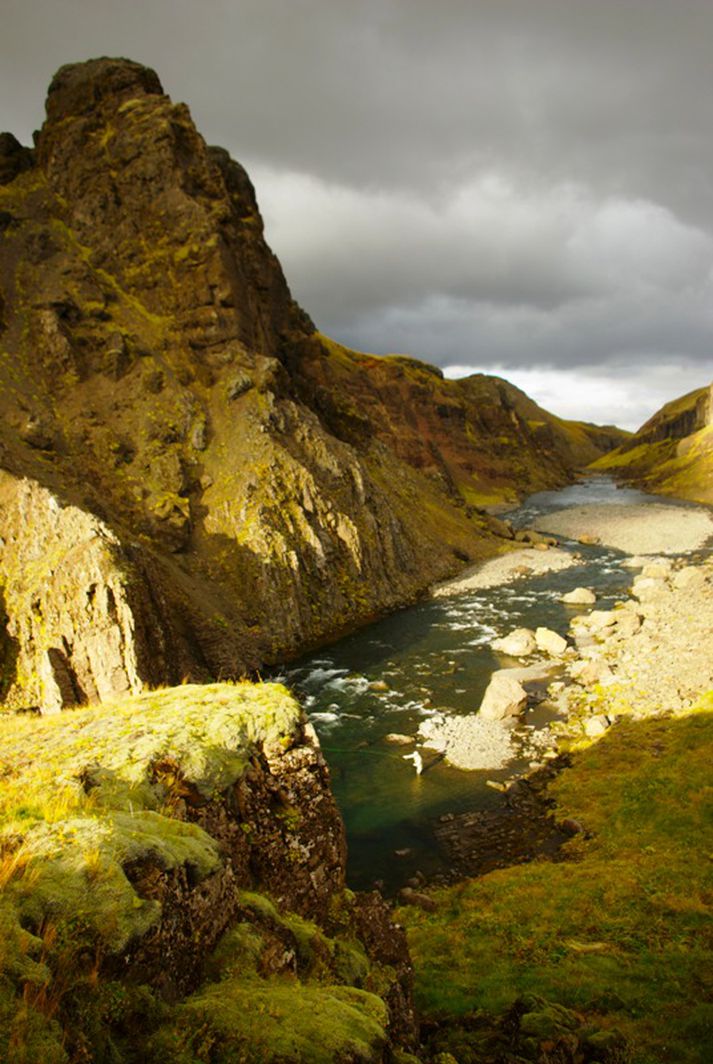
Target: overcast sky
{"points": [[521, 187]]}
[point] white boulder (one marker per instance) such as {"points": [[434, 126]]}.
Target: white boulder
{"points": [[550, 642], [505, 697], [519, 643], [581, 596]]}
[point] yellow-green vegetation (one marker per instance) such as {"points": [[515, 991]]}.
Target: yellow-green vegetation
{"points": [[83, 794], [272, 1020], [682, 468], [672, 453], [316, 1015], [621, 931]]}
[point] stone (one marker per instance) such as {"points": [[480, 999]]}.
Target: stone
{"points": [[647, 588], [519, 643], [589, 673], [504, 697], [398, 739], [598, 620], [550, 642], [658, 569], [627, 624], [409, 896], [589, 540], [596, 726], [688, 577], [378, 685], [580, 596], [150, 307]]}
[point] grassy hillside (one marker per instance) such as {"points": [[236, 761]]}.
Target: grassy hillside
{"points": [[672, 453], [619, 933]]}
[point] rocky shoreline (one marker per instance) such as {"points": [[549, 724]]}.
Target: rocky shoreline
{"points": [[643, 658]]}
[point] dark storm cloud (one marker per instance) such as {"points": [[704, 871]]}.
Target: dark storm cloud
{"points": [[522, 184]]}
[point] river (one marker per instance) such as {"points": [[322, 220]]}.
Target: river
{"points": [[434, 657]]}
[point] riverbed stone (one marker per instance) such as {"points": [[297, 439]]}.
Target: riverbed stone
{"points": [[657, 569], [505, 697], [550, 642], [519, 643], [688, 578], [596, 621], [627, 624], [647, 588], [580, 596], [596, 726]]}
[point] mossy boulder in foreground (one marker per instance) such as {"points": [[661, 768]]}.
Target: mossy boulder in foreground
{"points": [[184, 835]]}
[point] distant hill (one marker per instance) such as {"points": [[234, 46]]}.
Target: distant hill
{"points": [[673, 452]]}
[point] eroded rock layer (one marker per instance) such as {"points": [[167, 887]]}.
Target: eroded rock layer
{"points": [[672, 453], [264, 488]]}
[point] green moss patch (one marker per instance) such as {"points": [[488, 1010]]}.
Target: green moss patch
{"points": [[622, 931], [85, 794], [255, 1021]]}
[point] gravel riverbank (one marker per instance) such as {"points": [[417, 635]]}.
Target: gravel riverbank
{"points": [[508, 567], [649, 529]]}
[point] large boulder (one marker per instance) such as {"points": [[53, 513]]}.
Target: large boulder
{"points": [[550, 642], [519, 643], [580, 596], [505, 697]]}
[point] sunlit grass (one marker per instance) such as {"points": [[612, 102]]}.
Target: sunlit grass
{"points": [[622, 931]]}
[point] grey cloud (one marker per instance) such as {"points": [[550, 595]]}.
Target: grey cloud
{"points": [[510, 183]]}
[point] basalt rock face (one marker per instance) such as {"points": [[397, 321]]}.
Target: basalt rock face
{"points": [[481, 439], [269, 489], [672, 453]]}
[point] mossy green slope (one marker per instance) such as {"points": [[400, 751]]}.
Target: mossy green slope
{"points": [[92, 817], [621, 930], [672, 454]]}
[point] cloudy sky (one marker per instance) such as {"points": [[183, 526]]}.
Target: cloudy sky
{"points": [[521, 187]]}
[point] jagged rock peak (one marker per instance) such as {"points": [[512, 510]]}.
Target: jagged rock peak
{"points": [[14, 158], [77, 88]]}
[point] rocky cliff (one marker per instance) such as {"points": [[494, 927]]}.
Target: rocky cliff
{"points": [[239, 487], [672, 453], [173, 885]]}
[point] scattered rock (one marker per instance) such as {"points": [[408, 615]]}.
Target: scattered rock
{"points": [[580, 596], [505, 697], [519, 643], [409, 896], [646, 588], [550, 642], [399, 739], [596, 726], [378, 685], [658, 569], [688, 578]]}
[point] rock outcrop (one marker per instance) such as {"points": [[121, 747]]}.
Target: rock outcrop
{"points": [[672, 453], [265, 488], [180, 855]]}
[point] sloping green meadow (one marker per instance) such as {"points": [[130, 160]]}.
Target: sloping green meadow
{"points": [[621, 931]]}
